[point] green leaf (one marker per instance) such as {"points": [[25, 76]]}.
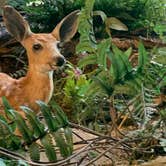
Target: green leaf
{"points": [[7, 108], [23, 127], [116, 24], [85, 28], [102, 50], [61, 143], [128, 52], [120, 64], [34, 152], [37, 126], [4, 129], [22, 163], [87, 60], [142, 59], [69, 139], [49, 149], [60, 114], [84, 46], [47, 115], [105, 86]]}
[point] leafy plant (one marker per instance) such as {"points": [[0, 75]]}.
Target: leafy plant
{"points": [[126, 88], [135, 14], [45, 14], [55, 127]]}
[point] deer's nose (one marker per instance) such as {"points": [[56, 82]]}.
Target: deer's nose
{"points": [[60, 61]]}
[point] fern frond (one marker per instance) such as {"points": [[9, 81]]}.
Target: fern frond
{"points": [[49, 149], [143, 107], [102, 49], [23, 127], [51, 123], [35, 123], [60, 139], [87, 39], [142, 58], [34, 151], [32, 130]]}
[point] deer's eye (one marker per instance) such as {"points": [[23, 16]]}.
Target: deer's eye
{"points": [[61, 45], [37, 47]]}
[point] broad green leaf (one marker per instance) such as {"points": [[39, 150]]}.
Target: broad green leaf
{"points": [[84, 46], [7, 108], [49, 149], [116, 24], [120, 63], [34, 152], [142, 59], [60, 114], [47, 115], [61, 143], [69, 139], [114, 65], [7, 138], [105, 86], [37, 126], [4, 129], [102, 50], [23, 127], [22, 163], [128, 52], [87, 60], [11, 125]]}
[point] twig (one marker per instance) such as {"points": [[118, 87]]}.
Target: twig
{"points": [[89, 131]]}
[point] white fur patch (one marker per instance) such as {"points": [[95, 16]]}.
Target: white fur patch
{"points": [[50, 74]]}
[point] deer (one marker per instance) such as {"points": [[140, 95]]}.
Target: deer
{"points": [[44, 57]]}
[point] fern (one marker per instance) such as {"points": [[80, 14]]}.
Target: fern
{"points": [[49, 149], [54, 132], [141, 107], [34, 151], [87, 39]]}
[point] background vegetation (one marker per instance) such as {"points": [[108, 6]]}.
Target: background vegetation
{"points": [[104, 90]]}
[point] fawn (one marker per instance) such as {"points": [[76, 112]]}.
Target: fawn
{"points": [[43, 58]]}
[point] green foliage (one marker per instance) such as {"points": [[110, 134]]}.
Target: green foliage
{"points": [[112, 83], [135, 13], [131, 89], [55, 128], [44, 15]]}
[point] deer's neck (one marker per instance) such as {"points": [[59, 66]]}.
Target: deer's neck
{"points": [[38, 85]]}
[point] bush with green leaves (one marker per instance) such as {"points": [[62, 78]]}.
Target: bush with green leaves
{"points": [[120, 86], [129, 90], [45, 14], [38, 137]]}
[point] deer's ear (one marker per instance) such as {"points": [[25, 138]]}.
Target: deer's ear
{"points": [[67, 28], [15, 23]]}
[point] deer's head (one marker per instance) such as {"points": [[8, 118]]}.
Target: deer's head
{"points": [[42, 49]]}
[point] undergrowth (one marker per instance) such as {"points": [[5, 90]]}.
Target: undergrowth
{"points": [[102, 92], [36, 137]]}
